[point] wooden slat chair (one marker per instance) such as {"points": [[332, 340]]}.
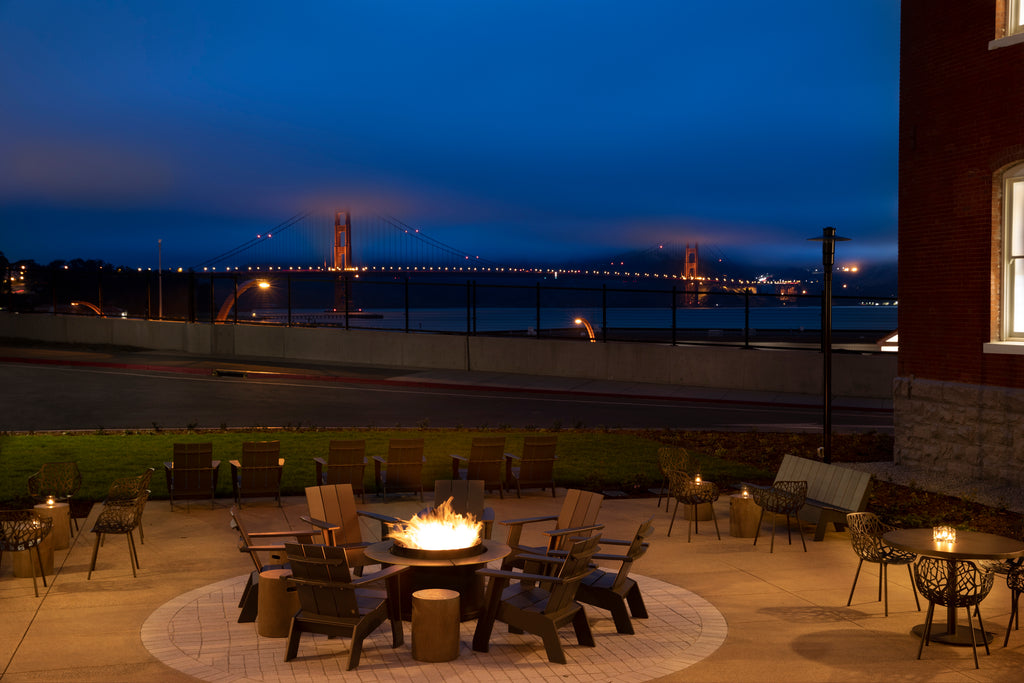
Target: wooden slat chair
{"points": [[332, 510], [467, 498], [59, 480], [536, 467], [345, 464], [486, 455], [539, 603], [256, 544], [334, 603], [192, 473], [402, 470], [613, 591], [577, 518], [258, 475]]}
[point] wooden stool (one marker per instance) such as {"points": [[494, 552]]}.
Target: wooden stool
{"points": [[24, 559], [60, 513], [435, 625], [276, 604], [704, 512], [744, 514]]}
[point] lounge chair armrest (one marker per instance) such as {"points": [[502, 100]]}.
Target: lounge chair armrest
{"points": [[558, 533], [553, 558], [615, 541], [298, 534], [526, 520], [378, 516], [383, 574], [320, 524], [517, 576], [260, 548]]}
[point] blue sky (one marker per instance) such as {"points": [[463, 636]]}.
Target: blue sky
{"points": [[517, 129]]}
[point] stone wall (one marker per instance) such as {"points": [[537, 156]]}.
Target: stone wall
{"points": [[965, 431]]}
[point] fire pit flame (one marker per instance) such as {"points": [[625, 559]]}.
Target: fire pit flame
{"points": [[440, 529]]}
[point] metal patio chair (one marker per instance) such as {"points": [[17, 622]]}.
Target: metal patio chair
{"points": [[866, 532]]}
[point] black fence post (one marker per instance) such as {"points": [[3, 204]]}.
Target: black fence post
{"points": [[674, 297], [235, 305], [149, 294], [53, 288], [190, 310], [746, 318], [406, 303], [99, 290], [538, 310], [469, 307], [288, 284], [474, 306], [347, 297], [604, 312]]}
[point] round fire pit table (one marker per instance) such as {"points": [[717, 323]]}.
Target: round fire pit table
{"points": [[457, 574]]}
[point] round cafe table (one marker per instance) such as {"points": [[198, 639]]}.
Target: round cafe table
{"points": [[969, 545]]}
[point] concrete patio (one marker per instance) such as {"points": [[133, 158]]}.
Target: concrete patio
{"points": [[720, 611]]}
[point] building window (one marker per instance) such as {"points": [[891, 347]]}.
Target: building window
{"points": [[1014, 17], [1013, 254]]}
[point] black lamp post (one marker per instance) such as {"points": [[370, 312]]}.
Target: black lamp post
{"points": [[828, 241]]}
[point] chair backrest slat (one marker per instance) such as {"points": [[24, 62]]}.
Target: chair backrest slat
{"points": [[336, 504]]}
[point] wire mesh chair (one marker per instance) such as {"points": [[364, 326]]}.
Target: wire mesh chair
{"points": [[24, 530], [952, 583], [866, 532], [1015, 582], [669, 458], [122, 514], [691, 493], [57, 480], [782, 498]]}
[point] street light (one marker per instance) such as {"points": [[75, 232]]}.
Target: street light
{"points": [[229, 303], [828, 241], [586, 324]]}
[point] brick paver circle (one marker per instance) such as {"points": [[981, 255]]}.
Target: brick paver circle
{"points": [[197, 634]]}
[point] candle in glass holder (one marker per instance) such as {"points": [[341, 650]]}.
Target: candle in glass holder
{"points": [[745, 493], [50, 501], [944, 534], [696, 480]]}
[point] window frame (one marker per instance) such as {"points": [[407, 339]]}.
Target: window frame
{"points": [[1013, 17], [1011, 258]]}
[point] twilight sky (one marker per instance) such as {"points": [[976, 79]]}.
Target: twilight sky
{"points": [[516, 129]]}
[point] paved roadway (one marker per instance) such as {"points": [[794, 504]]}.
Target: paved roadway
{"points": [[71, 388]]}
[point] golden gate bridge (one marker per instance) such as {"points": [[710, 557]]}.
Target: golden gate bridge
{"points": [[310, 241]]}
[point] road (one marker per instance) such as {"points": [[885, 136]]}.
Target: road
{"points": [[67, 395]]}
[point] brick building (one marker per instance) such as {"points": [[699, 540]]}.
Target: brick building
{"points": [[959, 394]]}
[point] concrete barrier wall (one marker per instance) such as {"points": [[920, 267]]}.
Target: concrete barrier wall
{"points": [[785, 371]]}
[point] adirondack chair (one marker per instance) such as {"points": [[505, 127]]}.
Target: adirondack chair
{"points": [[402, 471], [255, 544], [335, 604], [467, 498], [59, 480], [332, 510], [345, 464], [577, 518], [536, 468], [192, 473], [540, 603], [614, 590], [259, 473], [486, 454]]}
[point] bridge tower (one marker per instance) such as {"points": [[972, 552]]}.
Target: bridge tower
{"points": [[342, 259], [342, 240], [690, 262]]}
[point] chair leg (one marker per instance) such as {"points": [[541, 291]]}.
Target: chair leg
{"points": [[552, 645], [775, 517], [757, 532], [883, 584], [974, 640], [620, 616], [800, 530], [294, 633], [913, 587], [691, 523], [854, 586], [584, 636], [714, 518], [35, 586], [95, 552], [636, 602], [927, 628], [674, 519], [1014, 600], [131, 554]]}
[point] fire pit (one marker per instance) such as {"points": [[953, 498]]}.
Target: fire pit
{"points": [[443, 550]]}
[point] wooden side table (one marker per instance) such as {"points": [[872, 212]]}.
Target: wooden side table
{"points": [[24, 559], [744, 515], [60, 513], [277, 605], [435, 625]]}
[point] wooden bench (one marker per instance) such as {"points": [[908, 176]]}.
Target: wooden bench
{"points": [[832, 491]]}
